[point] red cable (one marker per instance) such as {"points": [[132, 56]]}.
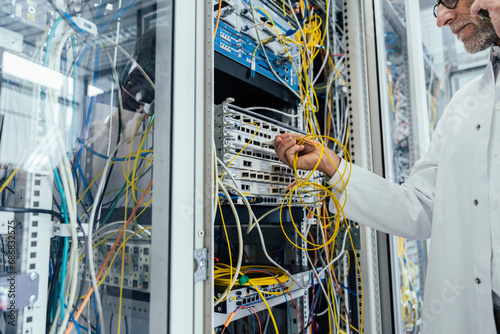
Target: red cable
{"points": [[288, 291], [258, 320]]}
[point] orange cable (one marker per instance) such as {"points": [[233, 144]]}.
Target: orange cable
{"points": [[315, 251], [218, 18], [129, 220]]}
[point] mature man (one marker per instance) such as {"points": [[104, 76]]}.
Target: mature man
{"points": [[453, 193]]}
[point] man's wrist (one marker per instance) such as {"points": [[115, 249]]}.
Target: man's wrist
{"points": [[339, 179], [330, 164]]}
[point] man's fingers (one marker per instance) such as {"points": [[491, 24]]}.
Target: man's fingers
{"points": [[282, 145], [290, 153], [475, 8]]}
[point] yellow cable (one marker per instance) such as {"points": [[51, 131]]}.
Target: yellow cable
{"points": [[2, 187], [228, 245], [139, 120], [251, 139], [116, 253]]}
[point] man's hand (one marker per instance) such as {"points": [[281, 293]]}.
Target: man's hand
{"points": [[286, 146], [493, 8]]}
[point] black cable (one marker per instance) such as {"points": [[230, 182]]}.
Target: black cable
{"points": [[126, 325], [92, 327], [53, 284], [3, 251], [32, 210], [111, 323]]}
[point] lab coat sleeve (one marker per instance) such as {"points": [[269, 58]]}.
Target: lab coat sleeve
{"points": [[405, 210]]}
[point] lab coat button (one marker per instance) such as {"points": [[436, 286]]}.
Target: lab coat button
{"points": [[478, 126], [478, 280], [475, 202], [497, 106]]}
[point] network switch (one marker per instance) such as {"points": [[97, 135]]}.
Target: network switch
{"points": [[245, 143], [236, 38]]}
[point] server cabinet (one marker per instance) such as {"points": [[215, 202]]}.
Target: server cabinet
{"points": [[400, 112]]}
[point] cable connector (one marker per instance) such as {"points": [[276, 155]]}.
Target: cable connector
{"points": [[252, 68]]}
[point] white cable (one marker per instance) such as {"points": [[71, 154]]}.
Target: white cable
{"points": [[227, 171], [68, 187], [328, 8], [216, 176], [267, 324], [110, 42], [90, 253], [338, 256], [273, 110], [240, 244], [265, 53], [320, 284], [261, 236]]}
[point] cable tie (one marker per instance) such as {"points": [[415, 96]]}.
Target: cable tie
{"points": [[243, 279]]}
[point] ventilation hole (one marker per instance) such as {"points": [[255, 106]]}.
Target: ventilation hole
{"points": [[33, 244], [37, 182], [37, 192], [36, 204], [35, 223], [34, 234], [33, 255], [32, 266]]}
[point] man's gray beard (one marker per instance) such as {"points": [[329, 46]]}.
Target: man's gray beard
{"points": [[483, 37]]}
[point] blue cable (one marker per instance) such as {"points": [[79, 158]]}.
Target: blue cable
{"points": [[313, 299], [282, 288], [253, 319], [86, 329], [84, 180], [96, 315], [348, 290], [279, 252], [99, 10], [233, 252], [105, 25], [49, 41], [66, 242], [119, 12], [391, 36], [89, 112], [70, 19], [77, 326], [50, 270], [102, 156]]}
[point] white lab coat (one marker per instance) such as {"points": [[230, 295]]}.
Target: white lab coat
{"points": [[447, 197]]}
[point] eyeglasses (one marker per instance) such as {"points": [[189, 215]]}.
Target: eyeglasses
{"points": [[451, 4]]}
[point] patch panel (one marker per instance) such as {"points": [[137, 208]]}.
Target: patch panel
{"points": [[247, 142], [236, 38], [247, 296], [136, 269]]}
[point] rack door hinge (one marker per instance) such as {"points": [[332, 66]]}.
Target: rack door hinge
{"points": [[201, 264]]}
